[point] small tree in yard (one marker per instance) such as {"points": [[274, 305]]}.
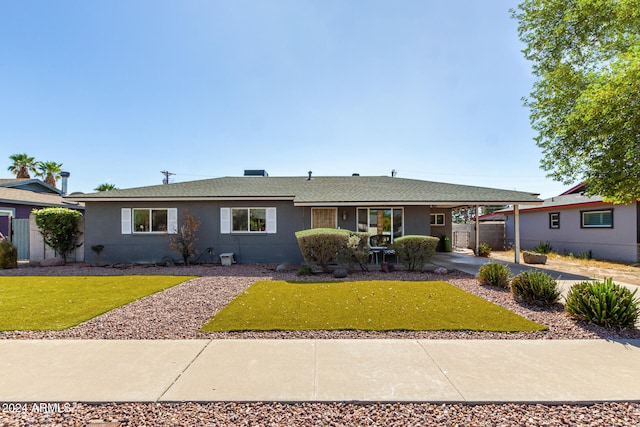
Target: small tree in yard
{"points": [[59, 228], [185, 240]]}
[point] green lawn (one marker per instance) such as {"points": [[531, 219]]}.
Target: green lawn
{"points": [[365, 305], [55, 303]]}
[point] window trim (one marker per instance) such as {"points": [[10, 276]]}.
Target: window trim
{"points": [[582, 214], [556, 221], [436, 215]]}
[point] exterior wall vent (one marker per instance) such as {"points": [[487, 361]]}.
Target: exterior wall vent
{"points": [[255, 172]]}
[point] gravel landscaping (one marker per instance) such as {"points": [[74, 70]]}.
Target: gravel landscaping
{"points": [[332, 414], [179, 312]]}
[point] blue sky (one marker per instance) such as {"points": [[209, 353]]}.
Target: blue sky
{"points": [[118, 91]]}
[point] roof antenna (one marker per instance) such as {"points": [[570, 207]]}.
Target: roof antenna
{"points": [[166, 174], [309, 179], [393, 173]]}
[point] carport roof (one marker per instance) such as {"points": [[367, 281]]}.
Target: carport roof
{"points": [[320, 191]]}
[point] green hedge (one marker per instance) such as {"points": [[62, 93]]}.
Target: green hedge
{"points": [[413, 251], [321, 247]]}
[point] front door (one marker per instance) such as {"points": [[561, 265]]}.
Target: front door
{"points": [[324, 218]]}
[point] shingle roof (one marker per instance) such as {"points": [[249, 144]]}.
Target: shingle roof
{"points": [[34, 198], [31, 184], [564, 200], [319, 190]]}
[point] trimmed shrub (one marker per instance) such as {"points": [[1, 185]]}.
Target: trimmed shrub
{"points": [[322, 246], [59, 228], [603, 303], [8, 255], [484, 250], [413, 251], [494, 274], [535, 287]]}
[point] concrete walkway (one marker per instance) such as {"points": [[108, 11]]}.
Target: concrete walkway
{"points": [[471, 264], [541, 371]]}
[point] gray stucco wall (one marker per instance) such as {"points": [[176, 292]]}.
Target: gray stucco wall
{"points": [[617, 243], [103, 226]]}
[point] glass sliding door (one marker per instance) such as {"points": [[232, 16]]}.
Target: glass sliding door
{"points": [[384, 222]]}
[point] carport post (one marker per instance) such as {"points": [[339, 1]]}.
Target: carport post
{"points": [[477, 230], [516, 220]]}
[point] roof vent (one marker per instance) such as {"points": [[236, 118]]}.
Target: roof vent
{"points": [[255, 172], [64, 175], [355, 174], [309, 179]]}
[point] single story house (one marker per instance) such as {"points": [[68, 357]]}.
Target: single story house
{"points": [[255, 216], [581, 225], [18, 197]]}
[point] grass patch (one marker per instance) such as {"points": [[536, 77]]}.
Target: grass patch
{"points": [[364, 305], [56, 303]]}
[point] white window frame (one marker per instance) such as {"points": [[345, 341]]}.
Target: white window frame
{"points": [[126, 221], [226, 220], [433, 219], [601, 211], [554, 220]]}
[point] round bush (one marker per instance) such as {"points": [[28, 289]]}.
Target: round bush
{"points": [[603, 303], [494, 274], [8, 255], [484, 250], [535, 287]]}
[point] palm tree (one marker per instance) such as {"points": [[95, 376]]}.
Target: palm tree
{"points": [[22, 165], [50, 171], [105, 187]]}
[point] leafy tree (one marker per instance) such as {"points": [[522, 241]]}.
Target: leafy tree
{"points": [[185, 240], [584, 104], [59, 228], [50, 171], [22, 165], [105, 187]]}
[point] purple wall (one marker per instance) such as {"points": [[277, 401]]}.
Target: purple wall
{"points": [[21, 211]]}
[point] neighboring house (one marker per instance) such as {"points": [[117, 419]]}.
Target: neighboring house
{"points": [[18, 197], [575, 223], [255, 217]]}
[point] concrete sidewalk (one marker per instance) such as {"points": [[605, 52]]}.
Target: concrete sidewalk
{"points": [[478, 371]]}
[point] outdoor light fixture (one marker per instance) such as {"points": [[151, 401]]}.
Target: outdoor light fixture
{"points": [[344, 215]]}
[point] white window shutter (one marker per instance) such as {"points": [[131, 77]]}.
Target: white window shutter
{"points": [[225, 220], [172, 221], [271, 220], [125, 220]]}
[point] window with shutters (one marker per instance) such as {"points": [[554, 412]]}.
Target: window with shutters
{"points": [[247, 220], [149, 220]]}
